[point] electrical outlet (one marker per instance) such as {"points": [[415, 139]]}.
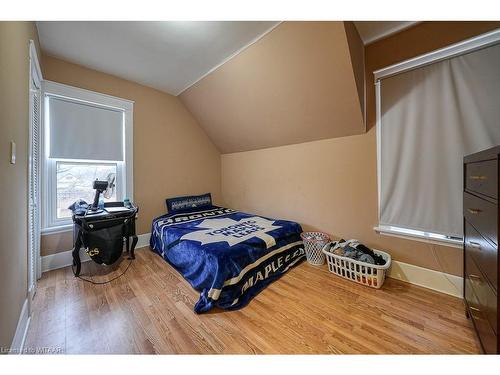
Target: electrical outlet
{"points": [[12, 152]]}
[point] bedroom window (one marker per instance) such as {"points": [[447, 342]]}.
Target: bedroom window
{"points": [[74, 181], [431, 112], [87, 136]]}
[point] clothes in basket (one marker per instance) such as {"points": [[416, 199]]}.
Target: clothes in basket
{"points": [[355, 250]]}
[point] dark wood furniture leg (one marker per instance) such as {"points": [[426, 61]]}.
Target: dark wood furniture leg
{"points": [[76, 255], [134, 242]]}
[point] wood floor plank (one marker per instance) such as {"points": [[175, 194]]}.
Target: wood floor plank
{"points": [[150, 310]]}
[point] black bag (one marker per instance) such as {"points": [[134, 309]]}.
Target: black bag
{"points": [[104, 246]]}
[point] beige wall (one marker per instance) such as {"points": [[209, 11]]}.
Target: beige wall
{"points": [[296, 84], [357, 54], [331, 185], [268, 181], [172, 154], [56, 242], [14, 109]]}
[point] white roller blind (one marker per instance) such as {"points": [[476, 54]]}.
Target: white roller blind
{"points": [[430, 118], [83, 131]]}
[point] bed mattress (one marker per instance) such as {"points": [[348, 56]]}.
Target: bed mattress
{"points": [[228, 256]]}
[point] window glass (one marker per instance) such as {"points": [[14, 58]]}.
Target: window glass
{"points": [[74, 181]]}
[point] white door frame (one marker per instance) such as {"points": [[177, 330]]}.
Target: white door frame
{"points": [[34, 226]]}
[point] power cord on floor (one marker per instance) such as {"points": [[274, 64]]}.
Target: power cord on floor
{"points": [[101, 282]]}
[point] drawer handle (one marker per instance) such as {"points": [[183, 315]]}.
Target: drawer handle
{"points": [[478, 177], [474, 211], [472, 276], [477, 311], [475, 245]]}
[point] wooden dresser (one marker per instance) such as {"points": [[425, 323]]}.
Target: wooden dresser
{"points": [[481, 261]]}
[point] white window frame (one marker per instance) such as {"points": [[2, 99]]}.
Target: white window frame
{"points": [[125, 168], [457, 49]]}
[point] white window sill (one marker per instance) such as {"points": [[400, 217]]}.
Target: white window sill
{"points": [[419, 236], [57, 229]]}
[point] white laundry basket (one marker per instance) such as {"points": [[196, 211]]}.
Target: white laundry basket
{"points": [[371, 275], [314, 242]]}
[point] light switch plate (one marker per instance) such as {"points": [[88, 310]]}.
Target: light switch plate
{"points": [[12, 152]]}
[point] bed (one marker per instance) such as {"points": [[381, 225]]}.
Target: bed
{"points": [[228, 256]]}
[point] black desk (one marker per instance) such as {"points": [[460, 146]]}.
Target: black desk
{"points": [[94, 221]]}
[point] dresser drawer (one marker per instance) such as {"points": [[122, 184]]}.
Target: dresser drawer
{"points": [[482, 177], [486, 298], [483, 252], [482, 215], [485, 332]]}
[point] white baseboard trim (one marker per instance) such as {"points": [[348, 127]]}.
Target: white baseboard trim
{"points": [[427, 278], [143, 240], [64, 258], [60, 260], [424, 277], [23, 323]]}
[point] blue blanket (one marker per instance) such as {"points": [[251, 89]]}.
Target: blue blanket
{"points": [[228, 256]]}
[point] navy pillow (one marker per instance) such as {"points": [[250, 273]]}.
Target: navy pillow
{"points": [[190, 202]]}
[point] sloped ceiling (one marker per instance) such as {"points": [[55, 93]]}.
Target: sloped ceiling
{"points": [[301, 82], [371, 31], [166, 55]]}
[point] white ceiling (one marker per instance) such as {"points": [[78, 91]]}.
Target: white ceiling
{"points": [[370, 31], [168, 55]]}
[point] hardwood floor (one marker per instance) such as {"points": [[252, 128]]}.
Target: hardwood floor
{"points": [[150, 310]]}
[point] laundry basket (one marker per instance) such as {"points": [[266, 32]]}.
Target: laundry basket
{"points": [[313, 244], [371, 275]]}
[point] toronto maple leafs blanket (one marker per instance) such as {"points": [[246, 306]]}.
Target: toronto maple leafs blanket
{"points": [[228, 256]]}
